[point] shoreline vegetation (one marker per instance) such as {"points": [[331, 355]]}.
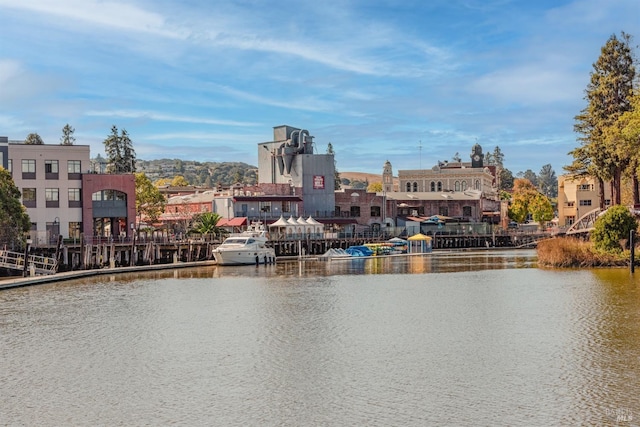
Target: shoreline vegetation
{"points": [[567, 252]]}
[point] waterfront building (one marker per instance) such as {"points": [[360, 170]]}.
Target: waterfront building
{"points": [[62, 198], [465, 191], [293, 182], [290, 159], [578, 196]]}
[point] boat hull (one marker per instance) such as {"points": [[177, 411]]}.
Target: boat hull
{"points": [[243, 257]]}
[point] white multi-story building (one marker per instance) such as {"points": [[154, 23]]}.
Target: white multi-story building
{"points": [[49, 178]]}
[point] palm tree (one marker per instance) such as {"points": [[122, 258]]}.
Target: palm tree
{"points": [[207, 223]]}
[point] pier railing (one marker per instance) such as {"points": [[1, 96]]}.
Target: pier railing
{"points": [[40, 264]]}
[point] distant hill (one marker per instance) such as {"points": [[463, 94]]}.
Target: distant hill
{"points": [[226, 173], [361, 176], [358, 179]]}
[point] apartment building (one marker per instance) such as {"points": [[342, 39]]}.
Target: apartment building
{"points": [[50, 180], [577, 197]]}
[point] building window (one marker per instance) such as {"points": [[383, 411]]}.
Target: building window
{"points": [[585, 187], [585, 202], [570, 220], [443, 210], [607, 202], [408, 187], [464, 185], [456, 186], [74, 230], [477, 184], [439, 185], [51, 166], [29, 197], [415, 187], [52, 197], [28, 169], [337, 211], [355, 211], [433, 186], [466, 211], [73, 169], [375, 211], [75, 200], [570, 204]]}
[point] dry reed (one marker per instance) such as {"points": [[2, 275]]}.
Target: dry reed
{"points": [[568, 252]]}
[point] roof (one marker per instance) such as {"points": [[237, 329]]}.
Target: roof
{"points": [[232, 222], [434, 195], [266, 198]]}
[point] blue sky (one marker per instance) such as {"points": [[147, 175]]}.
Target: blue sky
{"points": [[410, 81]]}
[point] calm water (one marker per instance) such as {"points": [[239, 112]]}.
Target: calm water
{"points": [[474, 339]]}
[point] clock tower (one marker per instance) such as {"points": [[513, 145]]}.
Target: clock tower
{"points": [[477, 157], [387, 177]]}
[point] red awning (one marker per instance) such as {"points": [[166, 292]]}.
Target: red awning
{"points": [[232, 222]]}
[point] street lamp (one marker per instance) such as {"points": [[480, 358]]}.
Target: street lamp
{"points": [[55, 228]]}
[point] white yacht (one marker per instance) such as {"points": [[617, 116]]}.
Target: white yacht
{"points": [[248, 247]]}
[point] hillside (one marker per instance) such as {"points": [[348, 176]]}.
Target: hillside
{"points": [[361, 176], [211, 173]]}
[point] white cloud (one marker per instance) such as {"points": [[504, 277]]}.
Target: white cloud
{"points": [[163, 117], [112, 14]]}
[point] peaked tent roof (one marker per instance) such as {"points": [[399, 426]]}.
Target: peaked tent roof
{"points": [[312, 221], [281, 222]]}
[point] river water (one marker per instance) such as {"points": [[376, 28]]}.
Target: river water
{"points": [[465, 339]]}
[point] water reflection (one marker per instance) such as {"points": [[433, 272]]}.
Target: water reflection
{"points": [[480, 338]]}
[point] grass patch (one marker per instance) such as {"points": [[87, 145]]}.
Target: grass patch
{"points": [[570, 252]]}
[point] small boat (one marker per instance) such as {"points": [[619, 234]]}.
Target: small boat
{"points": [[246, 248]]}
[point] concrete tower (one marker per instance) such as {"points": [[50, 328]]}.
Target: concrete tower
{"points": [[387, 177]]}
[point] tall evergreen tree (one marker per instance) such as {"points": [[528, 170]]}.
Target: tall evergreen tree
{"points": [[548, 181], [608, 96], [121, 157], [67, 137]]}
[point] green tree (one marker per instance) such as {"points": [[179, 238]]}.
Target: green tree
{"points": [[530, 176], [626, 133], [504, 175], [14, 220], [207, 223], [548, 181], [506, 179], [608, 96], [33, 139], [612, 227], [150, 202], [121, 157], [67, 137], [337, 180]]}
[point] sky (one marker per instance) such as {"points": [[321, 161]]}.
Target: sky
{"points": [[409, 81]]}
